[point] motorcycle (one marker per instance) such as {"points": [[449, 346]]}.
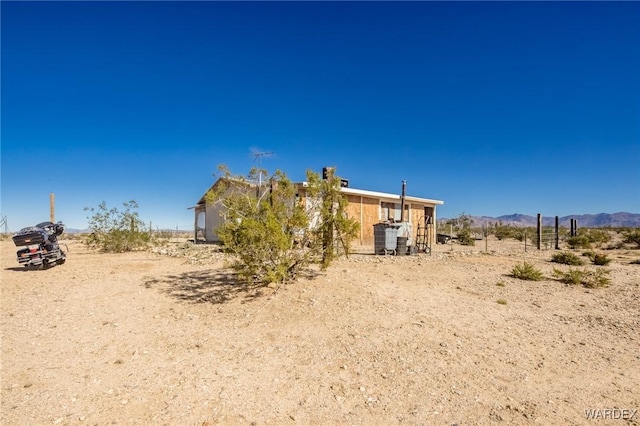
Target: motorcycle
{"points": [[40, 245]]}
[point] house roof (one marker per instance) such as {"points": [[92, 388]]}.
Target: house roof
{"points": [[203, 200], [384, 195], [387, 196], [348, 191]]}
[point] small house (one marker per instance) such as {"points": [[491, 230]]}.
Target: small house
{"points": [[367, 207]]}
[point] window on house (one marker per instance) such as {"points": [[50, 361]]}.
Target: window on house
{"points": [[387, 211], [391, 211]]}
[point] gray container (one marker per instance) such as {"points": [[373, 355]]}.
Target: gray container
{"points": [[401, 246], [390, 239], [384, 237], [379, 237]]}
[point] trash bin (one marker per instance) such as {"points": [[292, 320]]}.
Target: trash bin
{"points": [[379, 237], [385, 237], [401, 246], [390, 239]]}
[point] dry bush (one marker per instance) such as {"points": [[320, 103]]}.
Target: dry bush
{"points": [[527, 272], [589, 279], [566, 258]]}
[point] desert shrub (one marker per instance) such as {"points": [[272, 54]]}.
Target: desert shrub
{"points": [[502, 232], [501, 302], [526, 271], [501, 284], [462, 227], [579, 242], [601, 260], [597, 259], [586, 238], [632, 237], [500, 235], [522, 234], [573, 276], [616, 245], [115, 231], [599, 236], [589, 279], [271, 235], [566, 258]]}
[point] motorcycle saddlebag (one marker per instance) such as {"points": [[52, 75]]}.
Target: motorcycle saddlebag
{"points": [[31, 235]]}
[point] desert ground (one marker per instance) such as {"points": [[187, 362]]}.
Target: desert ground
{"points": [[168, 337]]}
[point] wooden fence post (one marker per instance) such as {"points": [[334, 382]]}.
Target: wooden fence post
{"points": [[539, 231]]}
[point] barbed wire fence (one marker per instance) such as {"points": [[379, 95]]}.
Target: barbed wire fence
{"points": [[177, 234], [547, 235]]}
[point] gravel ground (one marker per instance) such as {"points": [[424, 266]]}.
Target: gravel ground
{"points": [[168, 337]]}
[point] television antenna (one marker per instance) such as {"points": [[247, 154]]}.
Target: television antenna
{"points": [[257, 157]]}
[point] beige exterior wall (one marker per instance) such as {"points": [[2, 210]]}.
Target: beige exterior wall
{"points": [[366, 210], [214, 215]]}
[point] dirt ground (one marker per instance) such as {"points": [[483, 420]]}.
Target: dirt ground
{"points": [[150, 338]]}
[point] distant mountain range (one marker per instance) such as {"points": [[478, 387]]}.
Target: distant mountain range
{"points": [[584, 220]]}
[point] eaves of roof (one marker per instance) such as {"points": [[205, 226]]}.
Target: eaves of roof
{"points": [[387, 196], [384, 195]]}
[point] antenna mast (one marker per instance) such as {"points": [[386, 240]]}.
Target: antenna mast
{"points": [[257, 157]]}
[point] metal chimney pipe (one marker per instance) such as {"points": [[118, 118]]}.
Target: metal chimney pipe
{"points": [[404, 186]]}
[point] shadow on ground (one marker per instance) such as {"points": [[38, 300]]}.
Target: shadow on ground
{"points": [[28, 268], [211, 286]]}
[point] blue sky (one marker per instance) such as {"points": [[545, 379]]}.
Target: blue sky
{"points": [[493, 107]]}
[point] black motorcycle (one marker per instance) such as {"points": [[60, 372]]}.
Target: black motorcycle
{"points": [[40, 242]]}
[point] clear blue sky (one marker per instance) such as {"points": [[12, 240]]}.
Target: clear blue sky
{"points": [[493, 107]]}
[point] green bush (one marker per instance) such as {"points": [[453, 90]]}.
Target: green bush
{"points": [[601, 260], [526, 271], [597, 259], [599, 236], [573, 276], [586, 238], [502, 232], [462, 227], [632, 237], [272, 235], [566, 258], [579, 242], [115, 231], [589, 279]]}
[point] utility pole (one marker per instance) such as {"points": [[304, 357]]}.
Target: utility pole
{"points": [[4, 224], [52, 207]]}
